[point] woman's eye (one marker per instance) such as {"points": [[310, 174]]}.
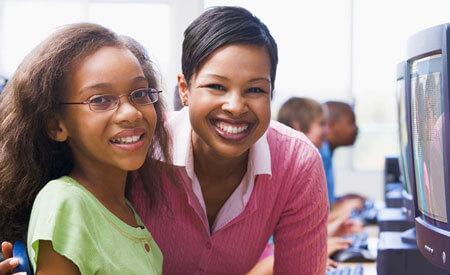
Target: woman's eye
{"points": [[216, 87], [256, 90]]}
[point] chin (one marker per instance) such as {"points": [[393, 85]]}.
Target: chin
{"points": [[132, 165], [233, 152]]}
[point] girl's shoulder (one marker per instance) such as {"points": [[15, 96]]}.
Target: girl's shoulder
{"points": [[62, 187], [61, 193]]}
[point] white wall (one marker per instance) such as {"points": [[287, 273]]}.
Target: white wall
{"points": [[366, 183]]}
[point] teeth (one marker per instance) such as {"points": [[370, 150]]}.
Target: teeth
{"points": [[231, 129], [126, 140]]}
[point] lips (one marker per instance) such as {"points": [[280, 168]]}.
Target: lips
{"points": [[231, 130], [129, 140]]}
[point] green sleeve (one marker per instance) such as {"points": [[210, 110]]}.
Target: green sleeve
{"points": [[61, 214]]}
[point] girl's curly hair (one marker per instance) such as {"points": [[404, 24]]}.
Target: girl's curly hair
{"points": [[28, 157]]}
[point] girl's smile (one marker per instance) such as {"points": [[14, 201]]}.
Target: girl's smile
{"points": [[129, 140]]}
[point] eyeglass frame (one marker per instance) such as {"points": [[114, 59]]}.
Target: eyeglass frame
{"points": [[117, 101]]}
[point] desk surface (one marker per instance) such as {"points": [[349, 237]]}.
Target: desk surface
{"points": [[372, 240], [369, 268]]}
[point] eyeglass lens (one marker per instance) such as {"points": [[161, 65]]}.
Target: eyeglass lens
{"points": [[108, 102]]}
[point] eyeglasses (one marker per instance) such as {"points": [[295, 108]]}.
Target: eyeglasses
{"points": [[98, 103]]}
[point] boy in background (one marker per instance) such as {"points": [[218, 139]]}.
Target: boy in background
{"points": [[342, 131]]}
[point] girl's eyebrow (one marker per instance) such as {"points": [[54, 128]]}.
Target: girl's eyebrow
{"points": [[105, 85], [97, 86]]}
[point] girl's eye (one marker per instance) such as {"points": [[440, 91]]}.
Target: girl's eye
{"points": [[256, 90], [140, 94], [216, 87], [100, 99]]}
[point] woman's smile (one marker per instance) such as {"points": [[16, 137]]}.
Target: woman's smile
{"points": [[235, 130]]}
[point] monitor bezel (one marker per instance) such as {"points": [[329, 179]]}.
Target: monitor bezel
{"points": [[433, 237], [408, 198]]}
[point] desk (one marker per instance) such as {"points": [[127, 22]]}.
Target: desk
{"points": [[372, 241], [369, 268]]}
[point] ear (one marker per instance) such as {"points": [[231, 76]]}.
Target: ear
{"points": [[331, 124], [183, 90], [56, 129], [296, 125]]}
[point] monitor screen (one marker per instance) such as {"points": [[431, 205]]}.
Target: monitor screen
{"points": [[427, 136], [403, 136]]}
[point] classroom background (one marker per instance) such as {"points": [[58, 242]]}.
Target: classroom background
{"points": [[328, 50]]}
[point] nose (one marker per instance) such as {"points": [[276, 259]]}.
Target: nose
{"points": [[126, 112], [235, 103]]}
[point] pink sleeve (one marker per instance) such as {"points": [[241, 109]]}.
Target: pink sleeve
{"points": [[301, 234]]}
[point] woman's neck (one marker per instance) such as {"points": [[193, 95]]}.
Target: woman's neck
{"points": [[210, 165]]}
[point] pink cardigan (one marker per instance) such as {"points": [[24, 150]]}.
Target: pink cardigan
{"points": [[292, 205]]}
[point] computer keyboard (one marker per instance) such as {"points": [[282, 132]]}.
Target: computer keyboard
{"points": [[357, 252], [368, 215], [347, 270], [358, 240]]}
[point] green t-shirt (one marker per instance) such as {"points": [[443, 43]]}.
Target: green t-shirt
{"points": [[84, 231]]}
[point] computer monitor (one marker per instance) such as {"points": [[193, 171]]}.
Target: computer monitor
{"points": [[405, 158], [427, 89]]}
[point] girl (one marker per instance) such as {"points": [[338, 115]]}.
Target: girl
{"points": [[80, 111], [243, 177]]}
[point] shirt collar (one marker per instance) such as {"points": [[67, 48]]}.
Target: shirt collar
{"points": [[180, 128]]}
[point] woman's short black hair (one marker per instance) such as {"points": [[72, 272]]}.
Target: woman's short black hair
{"points": [[221, 26]]}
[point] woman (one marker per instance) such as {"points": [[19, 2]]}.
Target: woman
{"points": [[243, 177]]}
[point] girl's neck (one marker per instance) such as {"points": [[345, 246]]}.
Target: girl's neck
{"points": [[107, 186]]}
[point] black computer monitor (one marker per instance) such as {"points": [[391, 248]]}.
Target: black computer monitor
{"points": [[427, 89], [405, 158]]}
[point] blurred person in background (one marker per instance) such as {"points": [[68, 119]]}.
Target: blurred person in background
{"points": [[342, 131]]}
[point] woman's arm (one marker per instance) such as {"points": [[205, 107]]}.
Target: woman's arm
{"points": [[50, 262], [300, 236]]}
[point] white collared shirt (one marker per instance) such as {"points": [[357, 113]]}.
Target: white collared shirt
{"points": [[259, 162]]}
